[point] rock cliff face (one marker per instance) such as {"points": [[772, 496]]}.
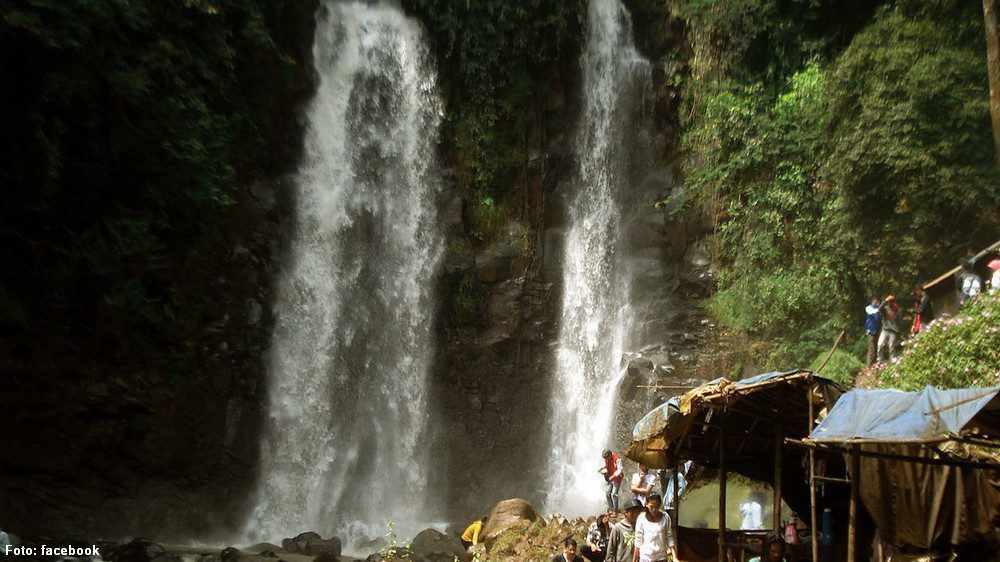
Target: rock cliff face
{"points": [[92, 450], [104, 440], [501, 299]]}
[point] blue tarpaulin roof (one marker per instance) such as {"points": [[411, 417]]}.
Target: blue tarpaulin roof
{"points": [[897, 416]]}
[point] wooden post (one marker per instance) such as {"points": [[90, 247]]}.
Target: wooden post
{"points": [[812, 482], [852, 521], [722, 490], [776, 508], [677, 507]]}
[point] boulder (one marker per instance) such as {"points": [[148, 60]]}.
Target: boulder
{"points": [[261, 547], [431, 545], [316, 547], [230, 554], [477, 552], [327, 557], [507, 514], [300, 542]]}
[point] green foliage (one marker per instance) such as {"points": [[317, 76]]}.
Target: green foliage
{"points": [[843, 366], [835, 174], [497, 60], [392, 549], [465, 304], [130, 128], [483, 217], [953, 352], [910, 141]]}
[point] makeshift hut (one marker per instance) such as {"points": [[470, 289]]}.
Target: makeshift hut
{"points": [[738, 427], [915, 462]]}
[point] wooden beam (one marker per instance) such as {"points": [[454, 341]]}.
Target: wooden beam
{"points": [[812, 482], [852, 518], [833, 480], [844, 450], [776, 511], [677, 504], [722, 503]]}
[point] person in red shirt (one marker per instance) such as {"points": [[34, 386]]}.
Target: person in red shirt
{"points": [[613, 471]]}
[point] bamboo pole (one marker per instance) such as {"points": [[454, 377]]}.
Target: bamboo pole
{"points": [[776, 508], [852, 519], [834, 348], [892, 456], [812, 484], [722, 494]]}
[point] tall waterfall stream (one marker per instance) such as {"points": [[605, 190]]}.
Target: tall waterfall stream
{"points": [[596, 311], [352, 345]]}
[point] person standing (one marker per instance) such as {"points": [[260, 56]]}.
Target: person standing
{"points": [[613, 471], [994, 266], [568, 553], [595, 548], [872, 330], [654, 537], [621, 540], [890, 314], [924, 310], [753, 512], [642, 483], [969, 282], [682, 472]]}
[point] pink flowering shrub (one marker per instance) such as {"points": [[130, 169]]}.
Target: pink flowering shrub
{"points": [[963, 350]]}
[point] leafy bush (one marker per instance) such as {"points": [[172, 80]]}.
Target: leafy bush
{"points": [[835, 175], [952, 352], [497, 59]]}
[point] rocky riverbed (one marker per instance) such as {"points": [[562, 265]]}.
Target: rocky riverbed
{"points": [[514, 532]]}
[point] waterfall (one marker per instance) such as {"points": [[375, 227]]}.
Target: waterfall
{"points": [[596, 313], [350, 355]]}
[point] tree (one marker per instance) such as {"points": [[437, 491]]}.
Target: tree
{"points": [[993, 63]]}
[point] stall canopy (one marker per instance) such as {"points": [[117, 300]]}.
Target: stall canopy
{"points": [[745, 420], [894, 416], [688, 427], [931, 494]]}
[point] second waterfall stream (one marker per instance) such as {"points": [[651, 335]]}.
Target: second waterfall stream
{"points": [[596, 315], [351, 350]]}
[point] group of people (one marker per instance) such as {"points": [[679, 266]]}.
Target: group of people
{"points": [[645, 531], [884, 319], [643, 534]]}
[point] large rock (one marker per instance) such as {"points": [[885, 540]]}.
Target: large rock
{"points": [[508, 514], [504, 258], [298, 543], [312, 544], [431, 545]]}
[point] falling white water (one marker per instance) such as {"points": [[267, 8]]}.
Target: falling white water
{"points": [[345, 439], [596, 315]]}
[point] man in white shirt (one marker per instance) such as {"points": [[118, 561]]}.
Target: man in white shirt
{"points": [[643, 482], [753, 513]]}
